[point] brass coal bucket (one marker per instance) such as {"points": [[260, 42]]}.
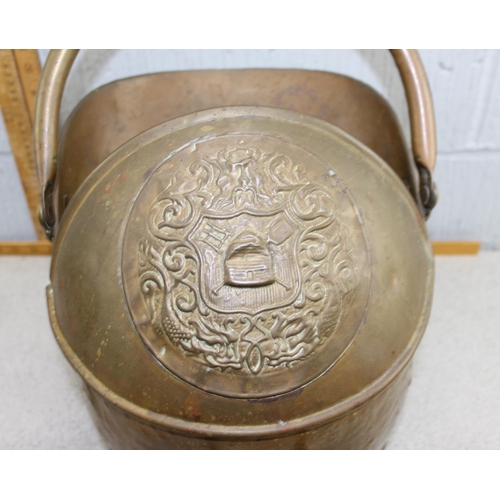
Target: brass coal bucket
{"points": [[240, 257]]}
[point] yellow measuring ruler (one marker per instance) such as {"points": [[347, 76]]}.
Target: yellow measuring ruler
{"points": [[19, 75]]}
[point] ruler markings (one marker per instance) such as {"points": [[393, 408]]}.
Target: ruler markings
{"points": [[18, 124], [28, 68]]}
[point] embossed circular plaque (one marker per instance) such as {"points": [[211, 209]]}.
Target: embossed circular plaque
{"points": [[241, 259]]}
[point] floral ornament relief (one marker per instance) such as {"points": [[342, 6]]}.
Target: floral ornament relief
{"points": [[244, 257]]}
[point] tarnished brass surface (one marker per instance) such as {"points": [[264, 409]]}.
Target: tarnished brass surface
{"points": [[365, 428], [119, 111], [242, 276], [104, 338], [99, 124], [244, 250]]}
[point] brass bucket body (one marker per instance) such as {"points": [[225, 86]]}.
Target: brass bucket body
{"points": [[243, 276]]}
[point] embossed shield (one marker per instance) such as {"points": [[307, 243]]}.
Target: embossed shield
{"points": [[248, 261]]}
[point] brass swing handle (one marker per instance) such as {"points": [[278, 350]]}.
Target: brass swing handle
{"points": [[57, 68], [423, 124]]}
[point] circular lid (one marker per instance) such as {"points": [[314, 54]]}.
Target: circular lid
{"points": [[240, 261], [239, 255]]}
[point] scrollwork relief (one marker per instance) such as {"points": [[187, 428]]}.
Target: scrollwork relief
{"points": [[243, 257]]}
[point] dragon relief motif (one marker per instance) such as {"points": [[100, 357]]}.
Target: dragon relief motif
{"points": [[244, 257]]}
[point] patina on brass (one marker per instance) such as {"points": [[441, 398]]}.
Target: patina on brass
{"points": [[241, 281], [242, 276], [117, 112]]}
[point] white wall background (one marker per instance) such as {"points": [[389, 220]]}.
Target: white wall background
{"points": [[466, 90]]}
